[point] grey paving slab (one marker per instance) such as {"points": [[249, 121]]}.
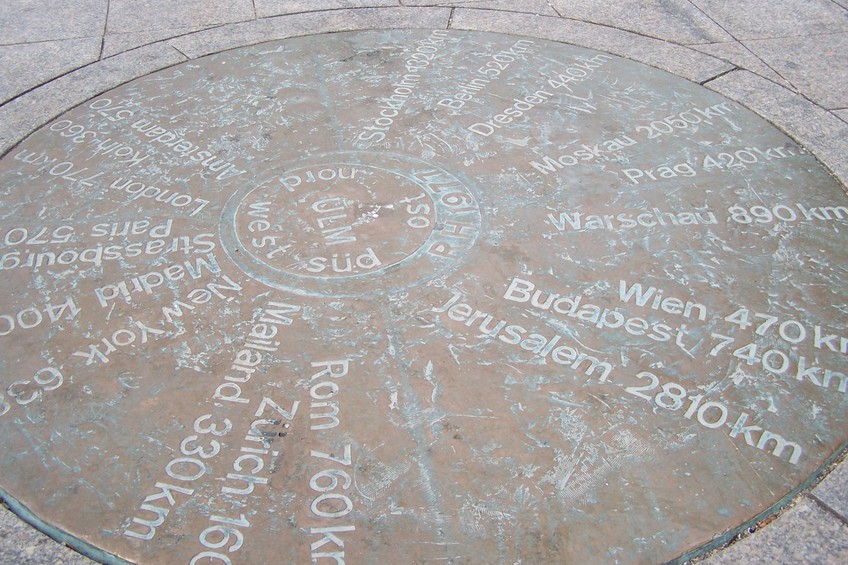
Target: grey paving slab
{"points": [[804, 534], [27, 65], [760, 19], [736, 53], [265, 8], [672, 20], [24, 114], [816, 65], [115, 43], [833, 491], [673, 58], [527, 6], [815, 128], [134, 16], [21, 544], [27, 21], [219, 39], [842, 114]]}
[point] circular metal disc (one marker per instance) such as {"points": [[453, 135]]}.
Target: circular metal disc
{"points": [[415, 296]]}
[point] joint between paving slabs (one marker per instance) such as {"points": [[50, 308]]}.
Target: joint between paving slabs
{"points": [[554, 8], [828, 509], [719, 75], [103, 35], [175, 48]]}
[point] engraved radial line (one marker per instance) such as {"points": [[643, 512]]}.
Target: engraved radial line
{"points": [[451, 54], [327, 100], [411, 411]]}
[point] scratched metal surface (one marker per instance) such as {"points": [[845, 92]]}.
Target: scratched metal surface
{"points": [[415, 296]]}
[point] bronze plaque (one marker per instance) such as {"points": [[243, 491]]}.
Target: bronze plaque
{"points": [[415, 296]]}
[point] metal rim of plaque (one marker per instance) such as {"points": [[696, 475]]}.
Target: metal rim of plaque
{"points": [[448, 295]]}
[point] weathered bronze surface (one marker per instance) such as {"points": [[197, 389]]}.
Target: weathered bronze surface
{"points": [[415, 296]]}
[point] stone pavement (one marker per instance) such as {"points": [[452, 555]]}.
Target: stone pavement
{"points": [[786, 60]]}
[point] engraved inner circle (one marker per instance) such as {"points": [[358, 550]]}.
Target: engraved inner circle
{"points": [[334, 220]]}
